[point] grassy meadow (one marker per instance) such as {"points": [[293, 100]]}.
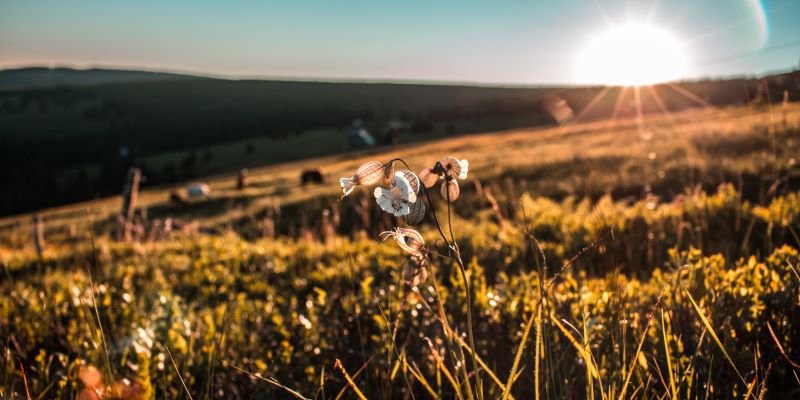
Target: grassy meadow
{"points": [[653, 258]]}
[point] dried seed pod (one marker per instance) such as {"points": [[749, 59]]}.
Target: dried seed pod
{"points": [[451, 166], [450, 190], [369, 173], [417, 212], [408, 239], [388, 174], [428, 177]]}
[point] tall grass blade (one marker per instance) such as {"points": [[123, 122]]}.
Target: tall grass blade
{"points": [[670, 371], [177, 371], [587, 358], [537, 354], [270, 380], [355, 375], [24, 379], [714, 335], [525, 333], [444, 370], [418, 374], [349, 380]]}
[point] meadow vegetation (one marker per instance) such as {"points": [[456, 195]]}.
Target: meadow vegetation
{"points": [[75, 132], [610, 260]]}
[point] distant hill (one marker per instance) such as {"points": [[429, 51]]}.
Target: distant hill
{"points": [[43, 77], [68, 135]]}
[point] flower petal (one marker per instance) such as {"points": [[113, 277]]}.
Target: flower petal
{"points": [[347, 184], [450, 190], [369, 173], [464, 168], [391, 202], [404, 187], [401, 209], [382, 199]]}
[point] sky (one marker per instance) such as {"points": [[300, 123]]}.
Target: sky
{"points": [[494, 42]]}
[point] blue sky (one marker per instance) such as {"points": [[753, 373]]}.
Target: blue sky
{"points": [[510, 42]]}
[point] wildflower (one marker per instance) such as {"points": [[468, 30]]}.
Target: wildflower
{"points": [[368, 173], [448, 168], [416, 208], [408, 239], [395, 199]]}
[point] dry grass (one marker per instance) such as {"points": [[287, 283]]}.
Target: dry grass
{"points": [[658, 290]]}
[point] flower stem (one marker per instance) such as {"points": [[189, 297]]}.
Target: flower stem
{"points": [[455, 254], [467, 290]]}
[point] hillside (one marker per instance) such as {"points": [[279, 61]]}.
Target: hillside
{"points": [[703, 147], [74, 133], [43, 77]]}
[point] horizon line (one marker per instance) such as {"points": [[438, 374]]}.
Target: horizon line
{"points": [[390, 81]]}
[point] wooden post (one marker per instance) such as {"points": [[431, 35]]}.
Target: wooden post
{"points": [[130, 193], [38, 234], [327, 230], [269, 225], [241, 180], [785, 108]]}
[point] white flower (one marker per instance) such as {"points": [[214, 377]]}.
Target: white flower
{"points": [[395, 199], [348, 185]]}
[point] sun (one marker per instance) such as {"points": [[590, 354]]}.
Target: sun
{"points": [[632, 55]]}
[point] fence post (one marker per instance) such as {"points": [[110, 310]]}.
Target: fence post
{"points": [[241, 179], [785, 108], [38, 234], [130, 193]]}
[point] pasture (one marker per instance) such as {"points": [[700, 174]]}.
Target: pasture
{"points": [[631, 258]]}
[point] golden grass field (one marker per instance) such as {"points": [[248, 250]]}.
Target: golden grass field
{"points": [[639, 258], [671, 138]]}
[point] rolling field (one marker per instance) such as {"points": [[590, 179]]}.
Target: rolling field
{"points": [[653, 258]]}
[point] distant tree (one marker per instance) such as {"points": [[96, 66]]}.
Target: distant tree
{"points": [[207, 156], [250, 148]]}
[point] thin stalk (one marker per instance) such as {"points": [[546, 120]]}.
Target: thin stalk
{"points": [[467, 290], [456, 256]]}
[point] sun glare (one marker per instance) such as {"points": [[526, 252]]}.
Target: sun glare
{"points": [[632, 55]]}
